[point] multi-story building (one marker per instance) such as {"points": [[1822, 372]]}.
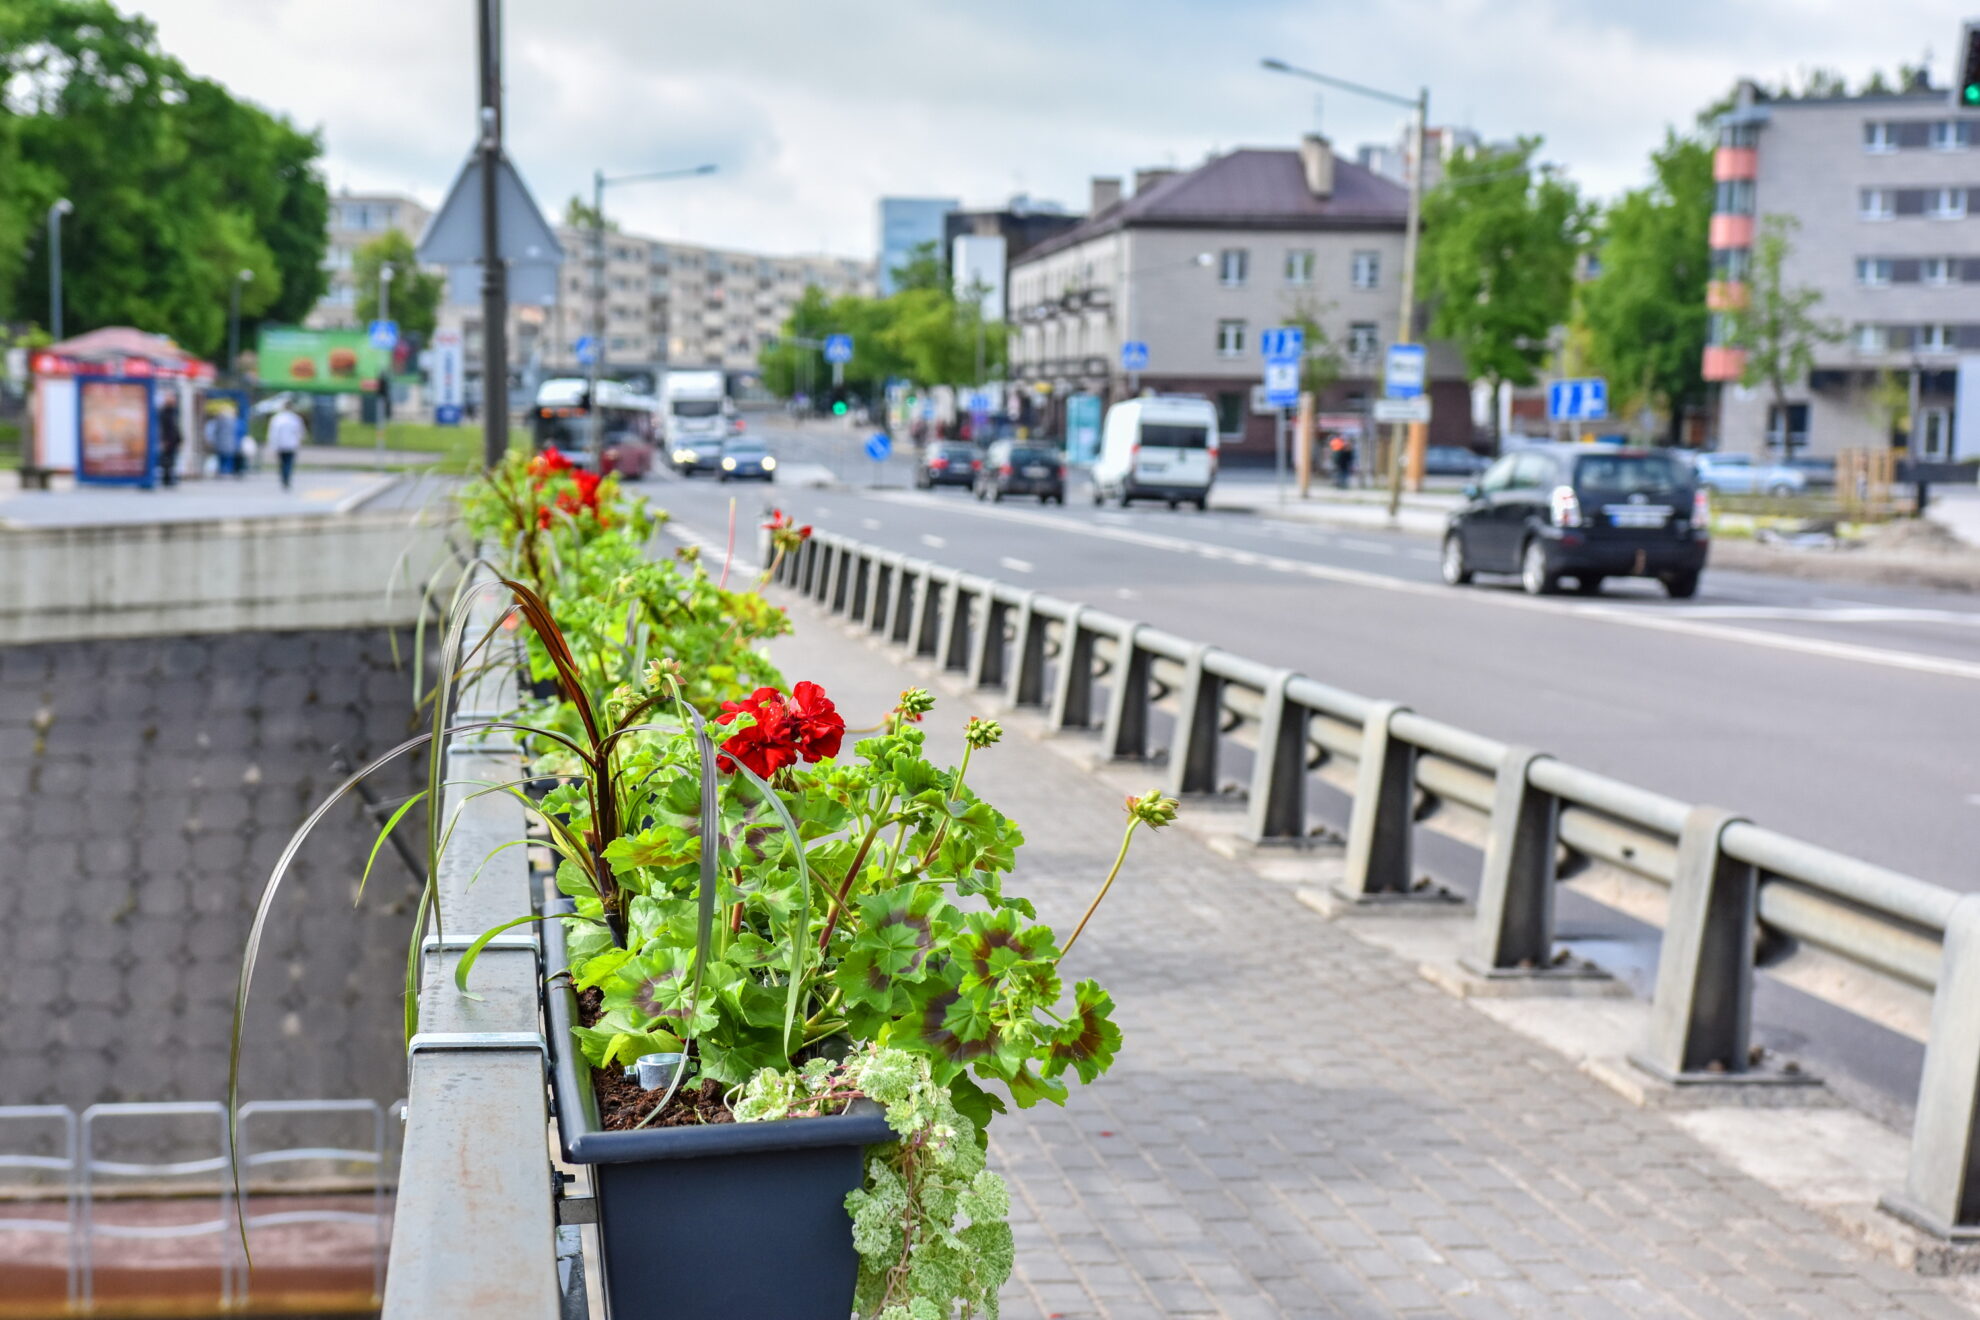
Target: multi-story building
{"points": [[355, 220], [905, 224], [982, 244], [1441, 143], [1883, 191], [1197, 264]]}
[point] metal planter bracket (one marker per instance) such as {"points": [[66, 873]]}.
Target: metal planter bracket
{"points": [[447, 1041]]}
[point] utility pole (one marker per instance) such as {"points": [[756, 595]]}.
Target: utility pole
{"points": [[494, 273], [62, 206], [1417, 129], [242, 276], [385, 273], [594, 431]]}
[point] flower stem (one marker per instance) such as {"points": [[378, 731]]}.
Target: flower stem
{"points": [[1119, 857]]}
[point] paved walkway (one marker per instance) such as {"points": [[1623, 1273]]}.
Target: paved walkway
{"points": [[1300, 1126], [256, 495]]}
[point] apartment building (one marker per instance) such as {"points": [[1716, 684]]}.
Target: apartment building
{"points": [[1196, 264], [355, 220], [1884, 190]]}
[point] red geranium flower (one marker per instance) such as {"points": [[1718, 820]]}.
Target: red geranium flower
{"points": [[820, 726], [784, 534], [802, 727], [548, 463]]}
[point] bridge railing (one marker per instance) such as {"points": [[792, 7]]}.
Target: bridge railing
{"points": [[1898, 949]]}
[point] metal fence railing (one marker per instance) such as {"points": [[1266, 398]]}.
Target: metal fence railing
{"points": [[1716, 882]]}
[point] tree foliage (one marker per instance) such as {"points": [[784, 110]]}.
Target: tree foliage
{"points": [[416, 292], [1778, 327], [177, 186], [1500, 235], [1645, 312]]}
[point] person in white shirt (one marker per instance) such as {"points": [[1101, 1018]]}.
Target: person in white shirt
{"points": [[285, 437]]}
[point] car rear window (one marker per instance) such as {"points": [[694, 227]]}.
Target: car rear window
{"points": [[1034, 456], [1169, 435], [1629, 474]]}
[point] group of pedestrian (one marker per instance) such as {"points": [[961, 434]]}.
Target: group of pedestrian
{"points": [[229, 443]]}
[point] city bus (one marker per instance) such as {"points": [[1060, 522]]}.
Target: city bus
{"points": [[561, 420]]}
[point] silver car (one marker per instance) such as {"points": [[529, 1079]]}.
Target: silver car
{"points": [[1738, 474]]}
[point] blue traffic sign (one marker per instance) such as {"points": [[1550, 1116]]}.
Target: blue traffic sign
{"points": [[838, 349], [447, 414], [1282, 384], [1402, 376], [384, 335], [1284, 343], [586, 349], [1578, 400], [878, 446], [1134, 355]]}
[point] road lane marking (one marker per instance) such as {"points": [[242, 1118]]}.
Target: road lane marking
{"points": [[1366, 547], [870, 524], [1914, 661], [932, 542], [1015, 565]]}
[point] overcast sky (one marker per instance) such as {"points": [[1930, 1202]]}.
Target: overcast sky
{"points": [[814, 110]]}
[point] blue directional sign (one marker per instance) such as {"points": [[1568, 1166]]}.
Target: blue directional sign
{"points": [[586, 349], [384, 335], [1578, 400], [878, 446], [1284, 343], [447, 414], [1134, 355], [838, 349], [1282, 384], [1402, 377]]}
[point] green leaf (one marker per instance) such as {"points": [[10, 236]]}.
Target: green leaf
{"points": [[660, 846], [1089, 1040]]}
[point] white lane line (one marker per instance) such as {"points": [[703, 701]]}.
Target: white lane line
{"points": [[870, 524], [1916, 662], [1366, 547], [1015, 565], [932, 542]]}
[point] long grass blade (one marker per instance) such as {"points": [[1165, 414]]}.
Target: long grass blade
{"points": [[801, 937], [466, 964], [383, 835]]}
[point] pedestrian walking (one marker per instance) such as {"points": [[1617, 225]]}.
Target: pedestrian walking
{"points": [[223, 441], [170, 440], [1343, 453], [285, 437]]}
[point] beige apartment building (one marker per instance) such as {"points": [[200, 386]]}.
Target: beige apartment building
{"points": [[355, 220], [1197, 264]]}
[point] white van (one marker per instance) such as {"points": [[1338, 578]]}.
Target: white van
{"points": [[1157, 447]]}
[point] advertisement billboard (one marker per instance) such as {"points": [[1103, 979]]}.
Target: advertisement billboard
{"points": [[115, 440], [319, 361]]}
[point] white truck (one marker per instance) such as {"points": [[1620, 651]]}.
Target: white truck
{"points": [[696, 419]]}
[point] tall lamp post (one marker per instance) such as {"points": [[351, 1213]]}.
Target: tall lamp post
{"points": [[1419, 106], [385, 274], [61, 207], [241, 277], [594, 429]]}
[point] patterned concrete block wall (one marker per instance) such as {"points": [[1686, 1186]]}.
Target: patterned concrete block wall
{"points": [[146, 788]]}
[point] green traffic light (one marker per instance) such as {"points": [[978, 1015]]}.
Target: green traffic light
{"points": [[1971, 94], [839, 408]]}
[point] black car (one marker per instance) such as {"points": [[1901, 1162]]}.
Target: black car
{"points": [[947, 463], [1586, 512], [1452, 461], [1017, 467]]}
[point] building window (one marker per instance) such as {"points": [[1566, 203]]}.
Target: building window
{"points": [[1230, 412], [1946, 203], [1936, 270], [1935, 339], [1787, 428], [1230, 339], [1361, 340], [1299, 266], [1366, 270], [1740, 135], [1875, 204], [1952, 134], [1734, 197], [1731, 264], [1233, 267], [1877, 138], [1869, 339], [1874, 272]]}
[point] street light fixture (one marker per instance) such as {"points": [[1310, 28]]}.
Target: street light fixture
{"points": [[1420, 113], [62, 206], [241, 277], [595, 431]]}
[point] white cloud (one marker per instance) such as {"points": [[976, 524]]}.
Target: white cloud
{"points": [[814, 111]]}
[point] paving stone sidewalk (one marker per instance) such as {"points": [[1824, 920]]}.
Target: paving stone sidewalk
{"points": [[1300, 1126]]}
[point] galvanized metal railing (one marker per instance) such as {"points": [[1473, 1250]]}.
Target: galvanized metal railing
{"points": [[1716, 882]]}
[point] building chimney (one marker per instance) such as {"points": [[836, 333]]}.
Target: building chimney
{"points": [[1106, 193], [1316, 159], [1148, 178]]}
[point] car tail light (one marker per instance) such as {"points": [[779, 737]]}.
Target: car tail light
{"points": [[975, 465], [1005, 470], [1565, 507], [937, 464], [1701, 513], [1062, 472]]}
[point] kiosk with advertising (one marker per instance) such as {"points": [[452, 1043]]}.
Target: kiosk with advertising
{"points": [[86, 401]]}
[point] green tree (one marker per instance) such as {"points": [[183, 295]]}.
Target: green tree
{"points": [[1777, 327], [922, 270], [416, 292], [1499, 242], [1323, 361], [1645, 312], [579, 214]]}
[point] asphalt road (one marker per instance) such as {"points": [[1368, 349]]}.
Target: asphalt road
{"points": [[1846, 715]]}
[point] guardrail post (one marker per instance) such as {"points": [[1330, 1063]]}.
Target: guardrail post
{"points": [[861, 572], [1384, 812], [1199, 724], [1515, 929], [1942, 1184], [882, 602], [1702, 1011], [959, 608], [821, 578], [1128, 697], [841, 581], [1027, 676], [1072, 696], [987, 667], [1278, 775], [807, 565], [910, 585], [927, 625]]}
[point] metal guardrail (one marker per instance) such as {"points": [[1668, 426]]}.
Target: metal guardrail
{"points": [[1721, 883]]}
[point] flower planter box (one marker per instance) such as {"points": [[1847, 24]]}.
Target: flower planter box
{"points": [[716, 1222]]}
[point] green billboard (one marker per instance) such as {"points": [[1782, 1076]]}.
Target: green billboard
{"points": [[322, 361]]}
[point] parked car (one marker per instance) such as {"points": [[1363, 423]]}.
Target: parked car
{"points": [[1818, 471], [1738, 474], [1453, 461], [745, 458], [947, 463], [1587, 513], [1157, 447], [1018, 467]]}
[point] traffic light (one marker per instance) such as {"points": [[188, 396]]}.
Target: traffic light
{"points": [[1966, 83], [838, 407]]}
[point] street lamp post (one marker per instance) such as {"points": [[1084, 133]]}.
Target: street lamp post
{"points": [[594, 428], [1419, 107], [242, 276], [385, 275], [61, 207]]}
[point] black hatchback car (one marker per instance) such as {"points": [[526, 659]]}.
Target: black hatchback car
{"points": [[1586, 512], [948, 463], [1016, 467]]}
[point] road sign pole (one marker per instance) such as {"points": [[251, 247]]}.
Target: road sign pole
{"points": [[384, 314], [1279, 445], [494, 271]]}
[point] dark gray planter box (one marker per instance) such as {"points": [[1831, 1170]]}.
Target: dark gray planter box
{"points": [[712, 1223]]}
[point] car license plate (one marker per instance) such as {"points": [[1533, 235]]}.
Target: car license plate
{"points": [[1038, 470], [1637, 515]]}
